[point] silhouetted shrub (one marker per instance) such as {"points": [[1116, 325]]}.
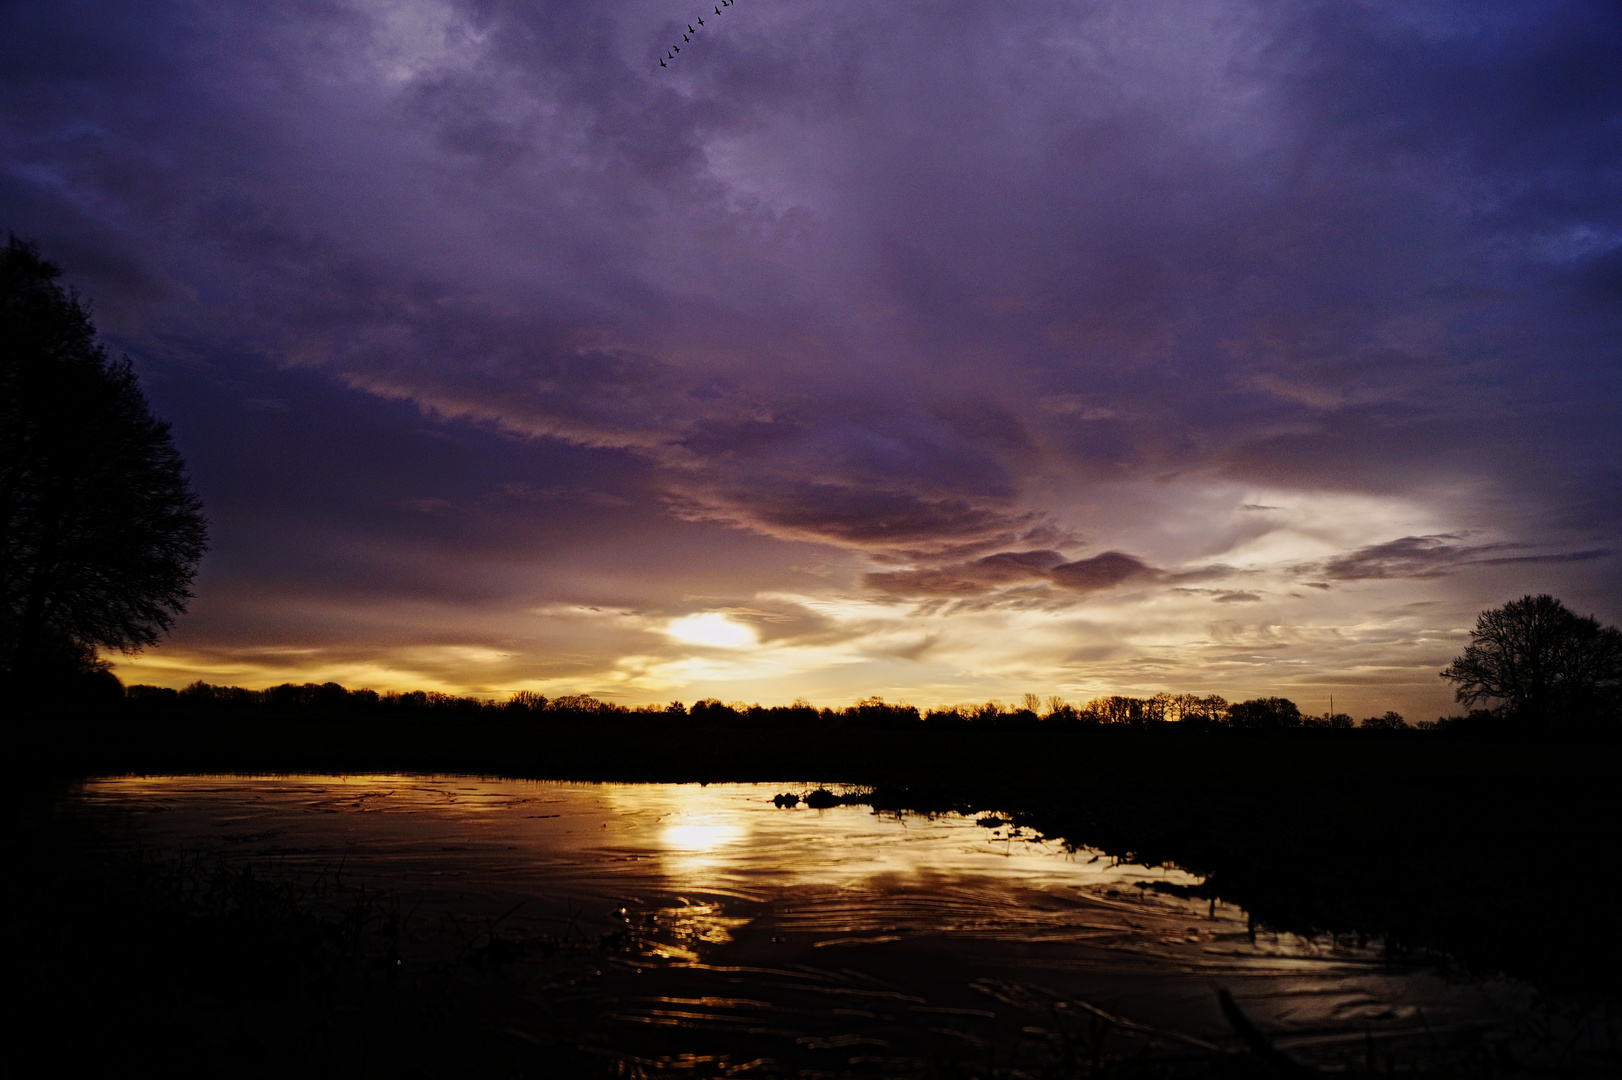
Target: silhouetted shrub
{"points": [[1476, 722], [152, 695]]}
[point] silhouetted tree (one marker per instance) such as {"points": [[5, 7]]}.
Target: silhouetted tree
{"points": [[712, 711], [1265, 714], [1541, 661], [1202, 711], [874, 712], [1117, 709], [949, 718], [1061, 715], [102, 532]]}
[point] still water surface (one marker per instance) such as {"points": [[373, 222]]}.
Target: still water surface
{"points": [[737, 932]]}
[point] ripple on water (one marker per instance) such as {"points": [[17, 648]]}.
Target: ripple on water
{"points": [[742, 931]]}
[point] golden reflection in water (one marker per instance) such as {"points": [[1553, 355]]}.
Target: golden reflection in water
{"points": [[694, 839], [699, 836], [686, 928], [725, 843], [697, 827], [755, 908]]}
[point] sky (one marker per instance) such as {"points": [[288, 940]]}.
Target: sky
{"points": [[935, 351]]}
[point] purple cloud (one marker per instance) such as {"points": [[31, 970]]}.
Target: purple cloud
{"points": [[1435, 556], [940, 294]]}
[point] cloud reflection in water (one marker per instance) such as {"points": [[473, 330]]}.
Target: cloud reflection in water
{"points": [[704, 893]]}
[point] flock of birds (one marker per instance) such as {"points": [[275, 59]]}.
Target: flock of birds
{"points": [[670, 54]]}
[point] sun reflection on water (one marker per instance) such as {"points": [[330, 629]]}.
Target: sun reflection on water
{"points": [[698, 837], [697, 891]]}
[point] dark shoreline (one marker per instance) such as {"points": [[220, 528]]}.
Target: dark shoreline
{"points": [[1498, 854]]}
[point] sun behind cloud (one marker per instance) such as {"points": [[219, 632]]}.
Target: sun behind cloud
{"points": [[713, 629]]}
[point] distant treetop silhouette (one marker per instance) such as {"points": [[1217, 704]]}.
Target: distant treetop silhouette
{"points": [[102, 533]]}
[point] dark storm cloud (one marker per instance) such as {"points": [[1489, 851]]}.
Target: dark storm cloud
{"points": [[1435, 556], [1408, 557], [1022, 568], [891, 522], [865, 275], [1102, 572]]}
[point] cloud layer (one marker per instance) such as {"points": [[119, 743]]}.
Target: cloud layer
{"points": [[1053, 308]]}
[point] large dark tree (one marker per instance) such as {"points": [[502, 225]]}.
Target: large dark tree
{"points": [[102, 530], [1540, 662]]}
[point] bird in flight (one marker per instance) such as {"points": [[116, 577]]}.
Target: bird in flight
{"points": [[688, 37]]}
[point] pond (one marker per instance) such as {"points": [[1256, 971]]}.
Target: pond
{"points": [[706, 929]]}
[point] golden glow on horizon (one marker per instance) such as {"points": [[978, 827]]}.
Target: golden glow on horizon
{"points": [[1260, 622], [173, 666]]}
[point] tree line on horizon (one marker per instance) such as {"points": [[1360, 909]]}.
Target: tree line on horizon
{"points": [[1210, 711], [1543, 667]]}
